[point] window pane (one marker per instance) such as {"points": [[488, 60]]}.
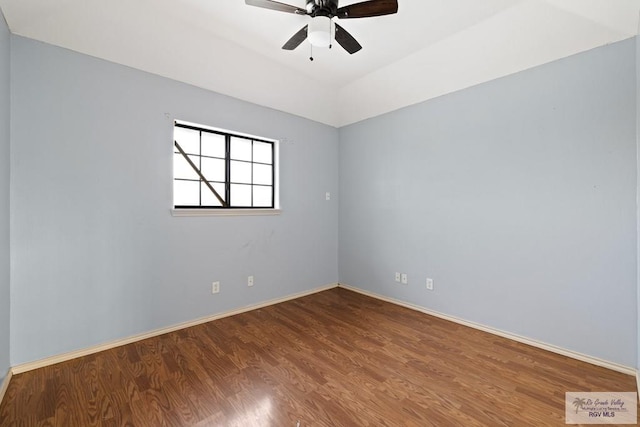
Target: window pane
{"points": [[188, 139], [213, 145], [262, 174], [240, 149], [262, 196], [241, 172], [262, 152], [182, 169], [208, 198], [239, 168], [186, 193], [213, 169], [240, 195]]}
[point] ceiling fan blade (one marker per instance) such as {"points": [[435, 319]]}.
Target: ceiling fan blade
{"points": [[274, 5], [346, 40], [297, 38], [368, 9]]}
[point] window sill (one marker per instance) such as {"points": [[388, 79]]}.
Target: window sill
{"points": [[225, 212]]}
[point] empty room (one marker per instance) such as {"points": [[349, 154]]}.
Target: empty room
{"points": [[319, 212]]}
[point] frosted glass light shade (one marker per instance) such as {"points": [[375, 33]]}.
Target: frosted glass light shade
{"points": [[319, 32]]}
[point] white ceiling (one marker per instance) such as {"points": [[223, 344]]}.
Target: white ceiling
{"points": [[430, 48]]}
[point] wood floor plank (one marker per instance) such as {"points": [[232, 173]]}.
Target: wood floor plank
{"points": [[336, 358]]}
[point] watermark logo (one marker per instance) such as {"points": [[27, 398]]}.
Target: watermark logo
{"points": [[601, 408]]}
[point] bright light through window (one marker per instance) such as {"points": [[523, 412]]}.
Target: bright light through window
{"points": [[215, 169]]}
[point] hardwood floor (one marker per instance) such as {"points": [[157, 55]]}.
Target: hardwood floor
{"points": [[336, 358]]}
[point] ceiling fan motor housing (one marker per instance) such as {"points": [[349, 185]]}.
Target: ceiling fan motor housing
{"points": [[322, 8]]}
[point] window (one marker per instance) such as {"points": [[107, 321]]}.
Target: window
{"points": [[214, 169]]}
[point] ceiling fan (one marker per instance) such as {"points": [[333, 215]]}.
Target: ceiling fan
{"points": [[321, 30]]}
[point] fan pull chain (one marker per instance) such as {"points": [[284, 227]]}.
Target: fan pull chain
{"points": [[330, 33], [311, 57]]}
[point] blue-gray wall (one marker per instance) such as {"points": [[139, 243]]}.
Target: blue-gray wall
{"points": [[96, 255], [5, 49], [518, 197], [637, 40]]}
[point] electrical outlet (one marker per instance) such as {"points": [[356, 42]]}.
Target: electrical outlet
{"points": [[398, 277], [327, 196], [404, 279], [215, 287], [250, 281], [429, 284]]}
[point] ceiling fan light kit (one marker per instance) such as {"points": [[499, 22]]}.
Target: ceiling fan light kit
{"points": [[321, 30]]}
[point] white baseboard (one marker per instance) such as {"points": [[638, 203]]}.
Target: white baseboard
{"points": [[29, 366], [549, 347], [5, 384]]}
